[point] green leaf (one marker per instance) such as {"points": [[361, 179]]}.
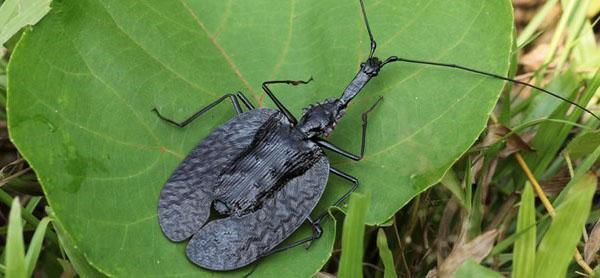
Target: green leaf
{"points": [[558, 245], [524, 249], [471, 268], [15, 249], [353, 237], [35, 246], [15, 14], [84, 80], [76, 257], [386, 255], [584, 144]]}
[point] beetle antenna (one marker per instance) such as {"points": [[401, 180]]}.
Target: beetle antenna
{"points": [[373, 43], [392, 59]]}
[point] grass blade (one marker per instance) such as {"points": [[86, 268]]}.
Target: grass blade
{"points": [[451, 182], [581, 171], [556, 248], [33, 202], [386, 255], [35, 246], [7, 199], [353, 237], [584, 144], [550, 136], [535, 23], [524, 250], [15, 249], [471, 268]]}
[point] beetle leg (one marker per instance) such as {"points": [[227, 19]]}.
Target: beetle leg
{"points": [[245, 100], [234, 100], [317, 232], [329, 146], [280, 105], [347, 177]]}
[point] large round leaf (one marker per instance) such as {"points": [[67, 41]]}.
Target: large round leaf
{"points": [[82, 84]]}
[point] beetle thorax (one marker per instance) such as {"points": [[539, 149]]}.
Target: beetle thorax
{"points": [[320, 119]]}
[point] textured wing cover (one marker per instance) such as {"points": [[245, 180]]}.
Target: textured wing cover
{"points": [[234, 242], [185, 200]]}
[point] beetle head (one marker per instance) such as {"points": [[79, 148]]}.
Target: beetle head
{"points": [[371, 66]]}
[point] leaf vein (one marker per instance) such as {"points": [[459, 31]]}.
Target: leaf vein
{"points": [[286, 45], [220, 48], [155, 58]]}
